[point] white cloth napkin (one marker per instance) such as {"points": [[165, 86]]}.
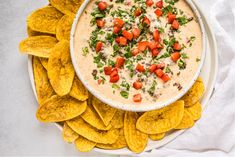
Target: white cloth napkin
{"points": [[214, 134]]}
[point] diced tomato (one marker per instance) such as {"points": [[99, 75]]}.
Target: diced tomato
{"points": [[152, 68], [122, 41], [142, 46], [177, 46], [135, 52], [136, 32], [160, 46], [140, 68], [127, 35], [119, 62], [175, 24], [158, 12], [108, 70], [152, 45], [98, 47], [116, 29], [114, 72], [149, 3], [171, 17], [160, 65], [114, 79], [138, 12], [159, 4], [159, 73], [118, 22], [156, 35], [155, 52], [175, 56], [146, 21], [137, 85], [165, 77], [100, 23], [137, 98], [117, 40], [102, 5]]}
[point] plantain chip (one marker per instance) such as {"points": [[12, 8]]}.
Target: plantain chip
{"points": [[44, 62], [83, 144], [68, 7], [195, 111], [68, 134], [92, 118], [162, 120], [44, 20], [63, 28], [60, 69], [157, 137], [194, 94], [120, 143], [57, 109], [186, 122], [38, 45], [78, 90], [43, 87], [118, 119], [91, 133], [31, 33], [105, 112], [135, 139]]}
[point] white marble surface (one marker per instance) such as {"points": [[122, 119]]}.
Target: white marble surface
{"points": [[20, 132]]}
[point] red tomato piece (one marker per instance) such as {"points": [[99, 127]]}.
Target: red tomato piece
{"points": [[140, 68], [149, 3], [135, 52], [127, 35], [118, 22], [122, 41], [114, 79], [137, 85], [159, 73], [102, 5], [146, 21], [152, 45], [152, 68], [155, 52], [98, 47], [156, 35], [136, 32], [119, 62], [165, 77], [100, 23], [177, 46], [137, 98], [138, 12], [142, 46], [108, 70], [158, 12], [161, 65], [171, 17], [175, 24], [159, 4], [175, 56], [116, 29], [114, 72]]}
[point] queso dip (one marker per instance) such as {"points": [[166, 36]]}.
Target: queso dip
{"points": [[138, 51]]}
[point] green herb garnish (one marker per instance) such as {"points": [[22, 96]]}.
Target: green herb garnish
{"points": [[124, 94]]}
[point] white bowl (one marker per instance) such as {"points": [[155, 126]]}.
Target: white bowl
{"points": [[129, 107]]}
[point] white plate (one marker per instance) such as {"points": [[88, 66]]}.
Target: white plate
{"points": [[208, 73]]}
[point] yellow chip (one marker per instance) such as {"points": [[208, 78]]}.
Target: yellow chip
{"points": [[135, 139], [186, 122], [44, 20], [157, 137], [57, 109], [162, 120], [31, 33], [92, 118], [78, 90], [195, 111], [83, 144], [120, 143], [195, 93], [118, 119], [60, 69], [68, 134], [44, 62], [43, 87], [38, 45], [105, 111], [68, 7], [91, 133], [63, 28]]}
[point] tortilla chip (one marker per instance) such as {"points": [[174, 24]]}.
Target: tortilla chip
{"points": [[57, 109], [194, 94], [195, 111], [157, 137], [68, 7], [43, 87], [135, 139], [78, 90], [120, 143], [68, 134], [91, 133], [44, 62], [60, 69], [38, 45], [105, 111], [44, 20], [186, 122], [63, 28], [162, 120], [83, 144], [118, 119], [31, 33]]}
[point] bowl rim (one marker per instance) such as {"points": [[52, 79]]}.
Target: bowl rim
{"points": [[139, 107]]}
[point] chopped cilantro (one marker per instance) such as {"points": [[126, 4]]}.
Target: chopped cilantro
{"points": [[151, 90], [172, 2], [124, 94], [161, 30], [184, 55], [168, 70], [181, 64], [85, 51], [115, 86], [111, 63], [125, 85]]}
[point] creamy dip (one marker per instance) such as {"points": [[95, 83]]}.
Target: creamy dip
{"points": [[168, 49]]}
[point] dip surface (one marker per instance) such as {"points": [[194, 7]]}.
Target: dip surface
{"points": [[148, 67]]}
